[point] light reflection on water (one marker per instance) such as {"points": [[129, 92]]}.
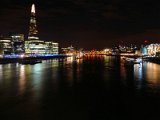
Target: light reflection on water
{"points": [[148, 72], [153, 74], [139, 74], [72, 70], [22, 79], [69, 83]]}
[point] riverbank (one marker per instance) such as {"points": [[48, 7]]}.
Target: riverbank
{"points": [[6, 60]]}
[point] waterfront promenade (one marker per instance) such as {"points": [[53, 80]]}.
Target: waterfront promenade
{"points": [[17, 58]]}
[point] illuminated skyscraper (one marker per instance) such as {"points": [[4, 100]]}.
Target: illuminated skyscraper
{"points": [[33, 32], [34, 45]]}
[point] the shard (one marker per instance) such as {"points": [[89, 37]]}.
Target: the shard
{"points": [[33, 32]]}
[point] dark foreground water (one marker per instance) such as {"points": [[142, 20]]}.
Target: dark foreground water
{"points": [[95, 88]]}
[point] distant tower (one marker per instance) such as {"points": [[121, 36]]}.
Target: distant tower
{"points": [[33, 32]]}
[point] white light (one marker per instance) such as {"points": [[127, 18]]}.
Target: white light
{"points": [[33, 8], [22, 56]]}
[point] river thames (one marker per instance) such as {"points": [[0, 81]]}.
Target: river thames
{"points": [[93, 88]]}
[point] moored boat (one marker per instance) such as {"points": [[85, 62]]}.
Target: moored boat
{"points": [[30, 61]]}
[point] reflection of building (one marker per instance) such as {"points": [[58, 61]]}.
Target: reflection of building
{"points": [[17, 43], [5, 45]]}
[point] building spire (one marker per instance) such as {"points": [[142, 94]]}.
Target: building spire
{"points": [[33, 32], [33, 9]]}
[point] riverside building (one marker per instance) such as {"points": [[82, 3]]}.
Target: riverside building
{"points": [[33, 45]]}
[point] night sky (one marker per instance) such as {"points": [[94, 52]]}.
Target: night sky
{"points": [[88, 24]]}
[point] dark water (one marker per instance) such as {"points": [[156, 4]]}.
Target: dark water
{"points": [[95, 88]]}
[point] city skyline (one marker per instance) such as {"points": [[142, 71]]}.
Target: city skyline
{"points": [[89, 25]]}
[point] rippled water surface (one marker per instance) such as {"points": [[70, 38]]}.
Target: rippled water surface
{"points": [[93, 88]]}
